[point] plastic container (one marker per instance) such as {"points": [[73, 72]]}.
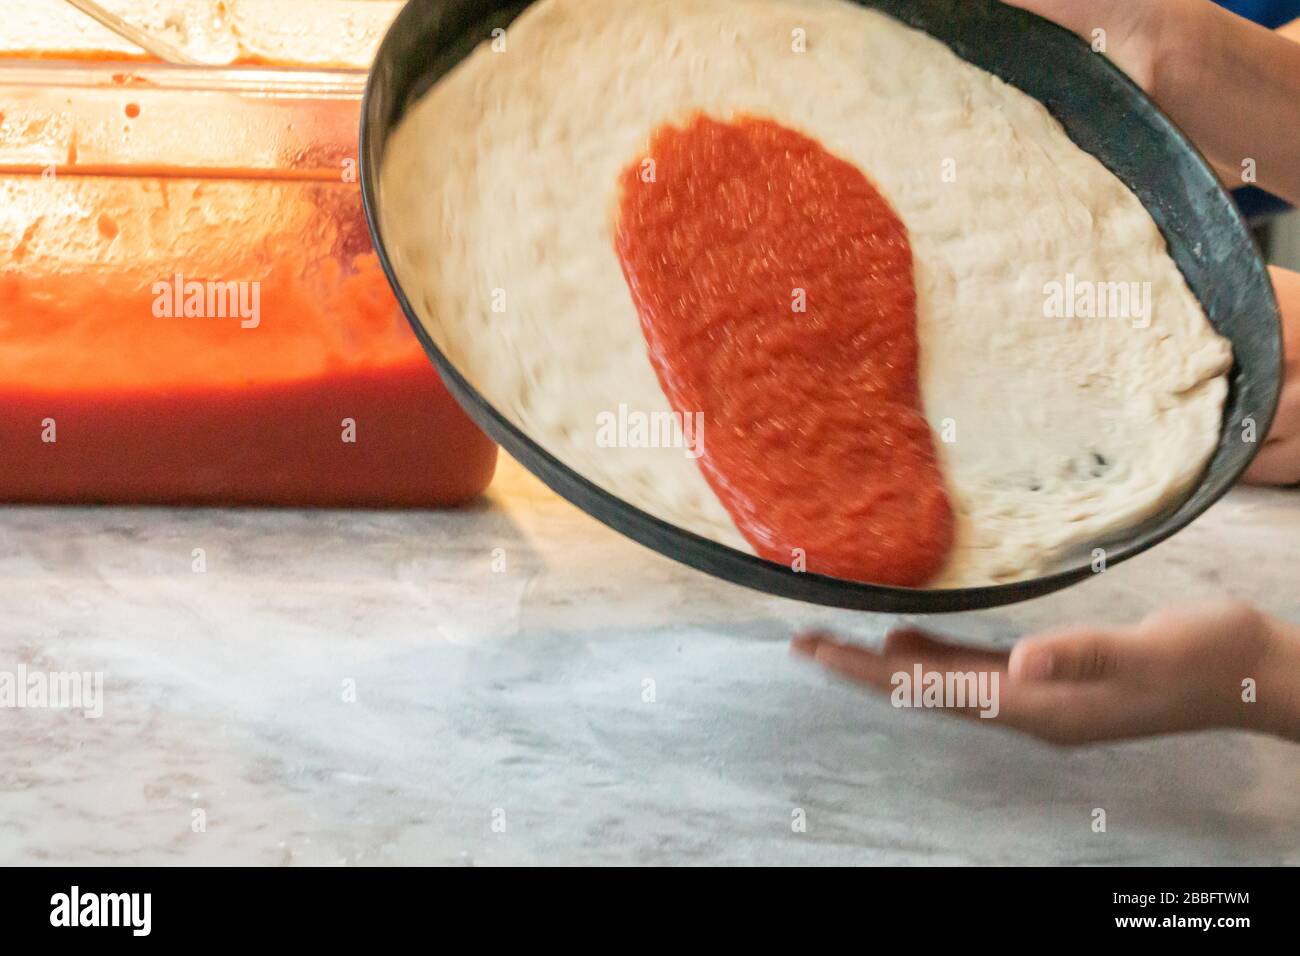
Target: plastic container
{"points": [[190, 308]]}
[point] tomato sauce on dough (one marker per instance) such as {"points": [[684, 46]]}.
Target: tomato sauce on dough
{"points": [[775, 289]]}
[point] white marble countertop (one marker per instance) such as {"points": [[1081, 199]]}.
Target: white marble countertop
{"points": [[484, 698]]}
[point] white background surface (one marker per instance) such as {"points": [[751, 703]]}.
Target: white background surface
{"points": [[523, 692]]}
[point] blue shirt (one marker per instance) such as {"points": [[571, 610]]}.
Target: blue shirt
{"points": [[1271, 13]]}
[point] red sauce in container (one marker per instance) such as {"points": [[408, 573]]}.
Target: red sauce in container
{"points": [[775, 289], [291, 379]]}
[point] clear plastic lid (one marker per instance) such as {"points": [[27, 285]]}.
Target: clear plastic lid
{"points": [[337, 34]]}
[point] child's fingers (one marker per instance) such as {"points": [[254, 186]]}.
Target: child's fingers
{"points": [[1278, 463], [855, 663], [1059, 710], [1081, 654], [915, 644], [1073, 713], [1178, 669], [902, 651]]}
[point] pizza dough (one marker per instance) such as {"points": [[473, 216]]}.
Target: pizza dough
{"points": [[1072, 378]]}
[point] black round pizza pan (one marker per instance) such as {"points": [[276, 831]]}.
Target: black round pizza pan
{"points": [[1102, 111]]}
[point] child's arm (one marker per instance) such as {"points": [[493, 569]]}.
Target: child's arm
{"points": [[1233, 86], [1217, 665], [1278, 462]]}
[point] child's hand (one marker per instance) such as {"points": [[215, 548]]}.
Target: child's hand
{"points": [[1178, 670], [1133, 29], [1231, 85], [1278, 462]]}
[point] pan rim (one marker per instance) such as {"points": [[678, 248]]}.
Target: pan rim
{"points": [[748, 570]]}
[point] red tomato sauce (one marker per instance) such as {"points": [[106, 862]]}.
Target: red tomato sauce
{"points": [[775, 289], [146, 409]]}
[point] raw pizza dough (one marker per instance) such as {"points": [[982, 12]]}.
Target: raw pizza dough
{"points": [[498, 198]]}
